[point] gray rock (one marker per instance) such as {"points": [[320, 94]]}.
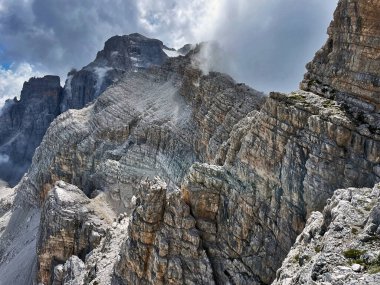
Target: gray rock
{"points": [[241, 176], [121, 54], [351, 76], [70, 225], [24, 122], [356, 267], [333, 256]]}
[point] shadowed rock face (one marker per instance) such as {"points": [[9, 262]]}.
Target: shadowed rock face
{"points": [[23, 124], [347, 67]]}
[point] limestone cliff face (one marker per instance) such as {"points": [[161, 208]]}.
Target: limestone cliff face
{"points": [[71, 224], [290, 157], [163, 245], [347, 67], [278, 165], [23, 124]]}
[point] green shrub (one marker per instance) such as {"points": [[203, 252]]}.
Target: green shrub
{"points": [[353, 253]]}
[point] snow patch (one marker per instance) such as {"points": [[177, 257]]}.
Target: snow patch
{"points": [[114, 53], [136, 63], [171, 53]]}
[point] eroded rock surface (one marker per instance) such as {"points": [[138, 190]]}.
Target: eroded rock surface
{"points": [[24, 122], [71, 224], [148, 124], [163, 244], [121, 54], [340, 245], [347, 67]]}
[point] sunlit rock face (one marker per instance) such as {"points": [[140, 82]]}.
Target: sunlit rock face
{"points": [[339, 245], [154, 122], [24, 122], [347, 67]]}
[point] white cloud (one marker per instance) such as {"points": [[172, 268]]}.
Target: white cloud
{"points": [[267, 42], [177, 22], [12, 79]]}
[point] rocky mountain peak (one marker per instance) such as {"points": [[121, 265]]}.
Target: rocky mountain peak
{"points": [[24, 122], [132, 51], [37, 87], [121, 54]]}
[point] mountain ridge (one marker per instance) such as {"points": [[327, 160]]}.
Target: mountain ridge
{"points": [[120, 54]]}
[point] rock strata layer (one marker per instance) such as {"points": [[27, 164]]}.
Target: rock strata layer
{"points": [[71, 224], [121, 54], [347, 67]]}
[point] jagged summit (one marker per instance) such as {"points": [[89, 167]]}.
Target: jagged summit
{"points": [[23, 124], [121, 54], [130, 52]]}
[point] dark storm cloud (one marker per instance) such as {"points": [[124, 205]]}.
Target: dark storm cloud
{"points": [[268, 42], [59, 34]]}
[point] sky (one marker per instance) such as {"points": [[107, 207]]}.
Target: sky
{"points": [[266, 43]]}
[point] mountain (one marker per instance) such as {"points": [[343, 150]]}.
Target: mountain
{"points": [[121, 54], [24, 122], [173, 176]]}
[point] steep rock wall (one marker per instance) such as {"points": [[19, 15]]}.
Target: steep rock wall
{"points": [[142, 126], [23, 124], [347, 67], [339, 245]]}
